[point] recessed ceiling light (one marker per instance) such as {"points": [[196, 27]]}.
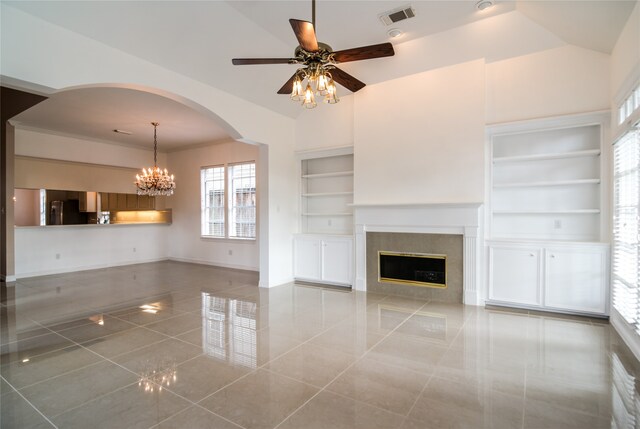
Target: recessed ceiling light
{"points": [[122, 132], [484, 4], [394, 32]]}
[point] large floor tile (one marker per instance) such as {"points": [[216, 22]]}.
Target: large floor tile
{"points": [[312, 364], [39, 368], [543, 415], [260, 400], [16, 413], [31, 347], [389, 387], [130, 408], [410, 352], [177, 325], [123, 342], [162, 354], [107, 325], [328, 410], [196, 417], [57, 395], [203, 375], [356, 340]]}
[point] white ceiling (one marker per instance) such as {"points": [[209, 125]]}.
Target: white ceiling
{"points": [[199, 38], [96, 112]]}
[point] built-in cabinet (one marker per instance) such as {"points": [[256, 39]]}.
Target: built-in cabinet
{"points": [[559, 277], [110, 201], [547, 214], [323, 259], [323, 251]]}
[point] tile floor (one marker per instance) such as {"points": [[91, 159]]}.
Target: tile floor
{"points": [[174, 345]]}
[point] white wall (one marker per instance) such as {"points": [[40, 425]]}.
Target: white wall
{"points": [[555, 82], [186, 243], [420, 139], [326, 126], [625, 58], [85, 247], [50, 145]]}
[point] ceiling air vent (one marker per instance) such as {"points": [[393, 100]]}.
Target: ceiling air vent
{"points": [[395, 15]]}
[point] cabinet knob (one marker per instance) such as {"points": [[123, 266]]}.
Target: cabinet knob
{"points": [[553, 256], [532, 255]]}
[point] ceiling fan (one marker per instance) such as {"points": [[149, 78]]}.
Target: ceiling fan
{"points": [[319, 64]]}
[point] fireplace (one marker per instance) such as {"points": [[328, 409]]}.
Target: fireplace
{"points": [[452, 229], [415, 269]]}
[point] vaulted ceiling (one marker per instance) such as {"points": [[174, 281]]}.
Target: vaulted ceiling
{"points": [[199, 38]]}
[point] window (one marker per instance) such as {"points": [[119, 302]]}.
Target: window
{"points": [[626, 227], [242, 200], [228, 201], [629, 105]]}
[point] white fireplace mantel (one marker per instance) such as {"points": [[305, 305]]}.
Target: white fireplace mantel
{"points": [[438, 218]]}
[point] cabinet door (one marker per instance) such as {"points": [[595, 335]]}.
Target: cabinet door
{"points": [[122, 201], [337, 260], [104, 201], [143, 202], [113, 201], [306, 255], [576, 279], [132, 201], [514, 275]]}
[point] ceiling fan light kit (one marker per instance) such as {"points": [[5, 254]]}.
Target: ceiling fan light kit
{"points": [[319, 65]]}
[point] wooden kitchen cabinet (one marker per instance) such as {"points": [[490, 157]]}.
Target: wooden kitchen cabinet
{"points": [[132, 201]]}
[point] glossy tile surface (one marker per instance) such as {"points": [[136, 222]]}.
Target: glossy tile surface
{"points": [[175, 345]]}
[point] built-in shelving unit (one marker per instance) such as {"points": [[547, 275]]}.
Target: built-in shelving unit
{"points": [[547, 215], [326, 194], [546, 183]]}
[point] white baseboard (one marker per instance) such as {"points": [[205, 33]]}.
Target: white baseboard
{"points": [[213, 264], [275, 283], [472, 298], [8, 279], [86, 268], [628, 335]]}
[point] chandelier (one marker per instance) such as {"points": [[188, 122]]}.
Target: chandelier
{"points": [[318, 82], [155, 181]]}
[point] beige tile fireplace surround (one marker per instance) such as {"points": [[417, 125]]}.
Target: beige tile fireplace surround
{"points": [[437, 244]]}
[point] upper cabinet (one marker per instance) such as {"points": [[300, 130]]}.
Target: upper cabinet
{"points": [[121, 202], [326, 193], [547, 180]]}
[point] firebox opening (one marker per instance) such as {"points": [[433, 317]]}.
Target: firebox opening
{"points": [[418, 269]]}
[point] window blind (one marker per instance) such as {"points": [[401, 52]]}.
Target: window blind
{"points": [[626, 228]]}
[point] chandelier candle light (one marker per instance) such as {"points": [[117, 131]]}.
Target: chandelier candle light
{"points": [[155, 181]]}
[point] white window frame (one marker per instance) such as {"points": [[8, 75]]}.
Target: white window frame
{"points": [[228, 202], [625, 276], [204, 208]]}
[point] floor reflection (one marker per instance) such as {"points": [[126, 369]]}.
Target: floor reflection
{"points": [[229, 330]]}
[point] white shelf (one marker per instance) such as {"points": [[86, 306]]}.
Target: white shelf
{"points": [[327, 214], [326, 194], [547, 156], [545, 212], [548, 183], [333, 174]]}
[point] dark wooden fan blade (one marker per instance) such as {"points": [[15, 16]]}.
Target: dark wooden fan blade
{"points": [[364, 53], [248, 61], [305, 34], [288, 86], [346, 80]]}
